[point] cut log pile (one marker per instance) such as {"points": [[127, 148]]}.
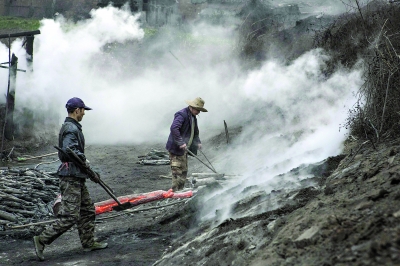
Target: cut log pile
{"points": [[154, 157], [26, 195]]}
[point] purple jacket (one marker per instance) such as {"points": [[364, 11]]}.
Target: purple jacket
{"points": [[180, 132]]}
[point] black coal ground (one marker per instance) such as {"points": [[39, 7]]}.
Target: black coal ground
{"points": [[345, 214], [131, 238], [139, 238]]}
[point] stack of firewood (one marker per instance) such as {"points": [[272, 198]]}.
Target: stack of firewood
{"points": [[26, 195], [154, 157]]}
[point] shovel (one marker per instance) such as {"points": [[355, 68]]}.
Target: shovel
{"points": [[78, 161]]}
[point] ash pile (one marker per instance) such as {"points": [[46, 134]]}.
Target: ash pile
{"points": [[26, 196], [154, 157]]}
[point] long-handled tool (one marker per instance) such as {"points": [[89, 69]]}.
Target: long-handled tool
{"points": [[120, 206], [86, 169], [191, 153], [208, 160]]}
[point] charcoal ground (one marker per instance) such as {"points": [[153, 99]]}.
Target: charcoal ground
{"points": [[131, 238], [344, 213]]}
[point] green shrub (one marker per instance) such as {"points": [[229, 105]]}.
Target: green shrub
{"points": [[19, 23]]}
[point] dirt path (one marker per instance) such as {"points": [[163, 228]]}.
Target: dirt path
{"points": [[134, 239]]}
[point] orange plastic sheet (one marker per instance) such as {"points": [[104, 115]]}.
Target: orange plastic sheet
{"points": [[137, 199]]}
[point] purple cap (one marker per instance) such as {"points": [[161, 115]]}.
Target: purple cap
{"points": [[76, 103]]}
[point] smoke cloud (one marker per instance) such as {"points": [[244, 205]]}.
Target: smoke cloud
{"points": [[290, 114]]}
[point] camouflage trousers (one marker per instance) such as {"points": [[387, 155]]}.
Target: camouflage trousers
{"points": [[76, 208], [179, 168]]}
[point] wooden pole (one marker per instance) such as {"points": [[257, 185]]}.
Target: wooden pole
{"points": [[29, 51], [226, 133], [8, 126], [9, 130], [19, 34]]}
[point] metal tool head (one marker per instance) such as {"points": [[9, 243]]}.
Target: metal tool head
{"points": [[122, 206]]}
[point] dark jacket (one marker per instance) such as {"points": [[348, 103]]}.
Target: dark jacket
{"points": [[71, 136], [180, 132]]}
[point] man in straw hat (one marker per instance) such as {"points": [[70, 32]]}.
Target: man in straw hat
{"points": [[184, 135]]}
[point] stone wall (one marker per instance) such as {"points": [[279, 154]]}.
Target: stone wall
{"points": [[2, 8], [28, 8], [46, 8]]}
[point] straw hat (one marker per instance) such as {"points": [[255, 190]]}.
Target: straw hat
{"points": [[197, 103]]}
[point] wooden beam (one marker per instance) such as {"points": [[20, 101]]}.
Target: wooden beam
{"points": [[20, 34]]}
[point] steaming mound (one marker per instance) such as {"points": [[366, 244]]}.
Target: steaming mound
{"points": [[341, 216], [329, 218]]}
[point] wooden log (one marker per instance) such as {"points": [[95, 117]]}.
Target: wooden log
{"points": [[204, 181], [226, 133], [11, 183], [34, 179], [24, 232], [50, 179], [26, 182], [31, 224], [13, 198], [8, 216], [45, 176], [17, 205], [203, 175], [23, 212], [4, 222], [53, 188], [15, 171], [29, 173], [26, 198], [154, 162], [45, 197], [13, 191]]}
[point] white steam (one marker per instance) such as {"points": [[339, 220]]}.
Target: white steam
{"points": [[298, 122], [290, 113]]}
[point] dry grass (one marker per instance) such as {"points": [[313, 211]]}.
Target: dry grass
{"points": [[372, 34]]}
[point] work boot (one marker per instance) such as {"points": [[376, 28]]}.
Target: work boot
{"points": [[39, 247], [95, 246]]}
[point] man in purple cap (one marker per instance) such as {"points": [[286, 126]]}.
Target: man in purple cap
{"points": [[76, 207]]}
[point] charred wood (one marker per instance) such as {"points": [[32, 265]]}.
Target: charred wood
{"points": [[7, 216]]}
